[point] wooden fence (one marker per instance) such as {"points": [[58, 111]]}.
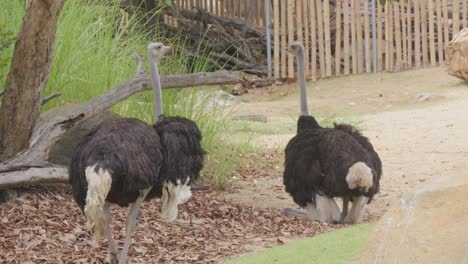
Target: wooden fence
{"points": [[337, 34]]}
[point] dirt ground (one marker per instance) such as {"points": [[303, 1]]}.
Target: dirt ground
{"points": [[416, 120]]}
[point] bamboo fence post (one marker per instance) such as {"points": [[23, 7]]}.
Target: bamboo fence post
{"points": [[367, 36], [232, 8], [403, 32], [328, 61], [299, 21], [417, 35], [338, 39], [409, 34], [456, 17], [276, 39], [446, 24], [305, 17], [391, 31], [396, 14], [440, 38], [283, 36], [465, 14], [313, 40], [268, 34], [290, 38], [353, 37], [431, 32], [425, 52], [374, 36], [346, 36], [258, 8], [359, 46], [379, 37], [320, 38]]}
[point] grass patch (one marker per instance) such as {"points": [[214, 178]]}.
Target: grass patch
{"points": [[334, 247]]}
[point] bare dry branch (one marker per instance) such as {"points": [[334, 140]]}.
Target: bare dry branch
{"points": [[50, 97], [33, 176]]}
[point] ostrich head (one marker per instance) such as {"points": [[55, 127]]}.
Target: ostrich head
{"points": [[296, 48], [156, 50]]}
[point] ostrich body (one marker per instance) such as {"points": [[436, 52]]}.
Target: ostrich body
{"points": [[122, 161], [323, 163]]}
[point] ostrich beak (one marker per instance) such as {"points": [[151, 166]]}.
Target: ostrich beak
{"points": [[165, 48], [289, 50]]}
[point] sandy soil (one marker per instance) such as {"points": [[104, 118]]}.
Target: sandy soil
{"points": [[417, 121]]}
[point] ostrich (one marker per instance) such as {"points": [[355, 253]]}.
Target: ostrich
{"points": [[123, 161], [323, 163]]}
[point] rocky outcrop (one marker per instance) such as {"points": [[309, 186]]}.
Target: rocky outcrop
{"points": [[457, 55]]}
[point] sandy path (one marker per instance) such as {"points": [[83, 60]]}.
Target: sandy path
{"points": [[420, 143]]}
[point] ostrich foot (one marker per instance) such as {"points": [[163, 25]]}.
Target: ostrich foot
{"points": [[295, 212]]}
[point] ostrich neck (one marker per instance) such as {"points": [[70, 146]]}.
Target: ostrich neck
{"points": [[156, 83], [302, 83]]}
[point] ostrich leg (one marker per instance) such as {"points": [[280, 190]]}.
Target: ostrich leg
{"points": [[355, 215], [131, 223], [344, 213], [113, 251]]}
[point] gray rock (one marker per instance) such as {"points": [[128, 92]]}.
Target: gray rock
{"points": [[423, 97]]}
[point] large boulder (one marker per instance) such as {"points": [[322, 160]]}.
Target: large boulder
{"points": [[457, 55], [61, 151]]}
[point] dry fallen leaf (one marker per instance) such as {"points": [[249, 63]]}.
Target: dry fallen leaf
{"points": [[209, 230]]}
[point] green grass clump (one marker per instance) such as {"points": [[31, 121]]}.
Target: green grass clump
{"points": [[94, 52], [334, 247]]}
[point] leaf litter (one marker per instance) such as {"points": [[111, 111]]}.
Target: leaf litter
{"points": [[44, 225]]}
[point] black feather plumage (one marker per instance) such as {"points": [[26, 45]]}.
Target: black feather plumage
{"points": [[129, 149], [182, 152], [317, 160]]}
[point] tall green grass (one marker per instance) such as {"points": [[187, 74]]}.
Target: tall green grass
{"points": [[94, 52]]}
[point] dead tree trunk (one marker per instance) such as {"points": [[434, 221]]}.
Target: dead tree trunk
{"points": [[29, 73]]}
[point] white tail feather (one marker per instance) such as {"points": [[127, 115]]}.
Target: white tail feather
{"points": [[99, 184], [359, 177]]}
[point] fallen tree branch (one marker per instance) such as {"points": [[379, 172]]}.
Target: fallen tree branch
{"points": [[33, 176]]}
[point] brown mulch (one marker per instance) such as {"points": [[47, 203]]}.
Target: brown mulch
{"points": [[44, 225], [261, 164]]}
